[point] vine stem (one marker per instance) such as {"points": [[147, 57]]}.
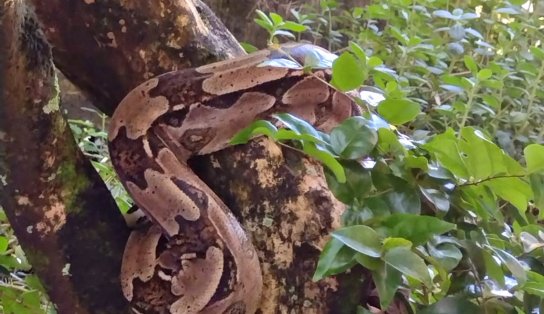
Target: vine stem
{"points": [[491, 178]]}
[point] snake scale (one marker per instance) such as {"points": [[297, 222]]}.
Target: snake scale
{"points": [[195, 257]]}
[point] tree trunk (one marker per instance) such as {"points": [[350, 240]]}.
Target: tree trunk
{"points": [[108, 47], [60, 210], [238, 15]]}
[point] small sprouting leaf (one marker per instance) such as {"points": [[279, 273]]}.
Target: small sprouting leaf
{"points": [[249, 48], [276, 18], [443, 14], [534, 156], [347, 72], [280, 32], [361, 238], [484, 74], [294, 27], [357, 51], [416, 228], [507, 10], [398, 111], [408, 263], [374, 62], [457, 32]]}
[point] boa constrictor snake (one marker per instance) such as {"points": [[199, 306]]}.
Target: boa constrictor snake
{"points": [[196, 257]]}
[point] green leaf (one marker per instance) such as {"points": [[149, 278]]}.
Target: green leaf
{"points": [[298, 125], [353, 139], [484, 74], [256, 128], [403, 198], [534, 156], [513, 265], [538, 53], [249, 48], [334, 257], [447, 254], [418, 229], [452, 305], [276, 18], [294, 27], [357, 185], [374, 62], [4, 244], [347, 72], [390, 243], [327, 159], [387, 280], [493, 268], [398, 111], [438, 198], [408, 263], [362, 239], [534, 284], [470, 64], [358, 51], [514, 190]]}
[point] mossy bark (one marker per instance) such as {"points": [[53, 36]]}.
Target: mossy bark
{"points": [[61, 212]]}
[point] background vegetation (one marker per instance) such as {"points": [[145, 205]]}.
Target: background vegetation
{"points": [[443, 175]]}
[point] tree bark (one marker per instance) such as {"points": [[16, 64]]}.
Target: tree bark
{"points": [[61, 212], [108, 47], [238, 15]]}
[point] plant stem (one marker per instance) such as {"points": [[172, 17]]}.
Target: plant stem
{"points": [[535, 84], [471, 95]]}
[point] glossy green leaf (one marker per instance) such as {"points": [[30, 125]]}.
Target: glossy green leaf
{"points": [[513, 265], [416, 228], [347, 72], [387, 280], [451, 305], [403, 198], [408, 263], [493, 268], [438, 198], [448, 255], [353, 139], [334, 258], [357, 185], [398, 111], [362, 239]]}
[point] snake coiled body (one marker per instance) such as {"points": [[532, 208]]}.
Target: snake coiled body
{"points": [[196, 257]]}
